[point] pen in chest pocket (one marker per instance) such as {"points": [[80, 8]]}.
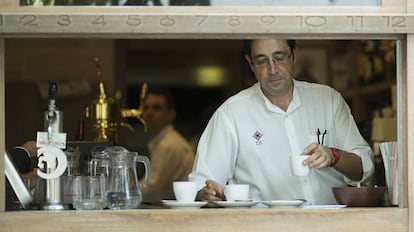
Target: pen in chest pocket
{"points": [[321, 136]]}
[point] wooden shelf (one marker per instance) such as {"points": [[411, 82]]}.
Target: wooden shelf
{"points": [[375, 88], [341, 220]]}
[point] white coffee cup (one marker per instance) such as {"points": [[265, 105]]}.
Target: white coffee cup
{"points": [[236, 192], [297, 167], [185, 191]]}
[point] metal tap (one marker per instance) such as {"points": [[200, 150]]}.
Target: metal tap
{"points": [[137, 113], [53, 123]]}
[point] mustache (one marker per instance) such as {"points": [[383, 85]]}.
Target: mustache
{"points": [[275, 77]]}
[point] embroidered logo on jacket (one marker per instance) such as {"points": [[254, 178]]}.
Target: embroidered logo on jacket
{"points": [[257, 135]]}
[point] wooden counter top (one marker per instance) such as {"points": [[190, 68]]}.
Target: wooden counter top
{"points": [[218, 219]]}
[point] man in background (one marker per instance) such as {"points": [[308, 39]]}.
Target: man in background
{"points": [[171, 154]]}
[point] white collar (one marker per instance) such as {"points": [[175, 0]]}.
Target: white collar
{"points": [[294, 104]]}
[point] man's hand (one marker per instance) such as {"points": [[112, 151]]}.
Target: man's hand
{"points": [[319, 156], [212, 191], [349, 165]]}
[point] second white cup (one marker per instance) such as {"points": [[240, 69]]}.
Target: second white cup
{"points": [[297, 167], [236, 192], [185, 191]]}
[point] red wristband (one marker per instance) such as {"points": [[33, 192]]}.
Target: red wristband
{"points": [[336, 155]]}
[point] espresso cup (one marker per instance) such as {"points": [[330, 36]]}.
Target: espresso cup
{"points": [[185, 191], [236, 192], [297, 167]]}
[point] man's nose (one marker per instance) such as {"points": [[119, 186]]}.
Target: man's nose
{"points": [[273, 68]]}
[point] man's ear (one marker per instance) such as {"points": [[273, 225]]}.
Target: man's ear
{"points": [[295, 54], [172, 114], [249, 61]]}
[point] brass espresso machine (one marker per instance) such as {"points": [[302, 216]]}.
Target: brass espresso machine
{"points": [[104, 116]]}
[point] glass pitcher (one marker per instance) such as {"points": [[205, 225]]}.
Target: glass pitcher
{"points": [[123, 189]]}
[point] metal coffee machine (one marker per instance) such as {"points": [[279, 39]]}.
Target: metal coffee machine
{"points": [[104, 116]]}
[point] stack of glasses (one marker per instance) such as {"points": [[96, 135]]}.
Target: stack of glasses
{"points": [[390, 157]]}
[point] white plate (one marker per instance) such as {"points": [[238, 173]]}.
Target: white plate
{"points": [[236, 204], [324, 206], [184, 205], [284, 203]]}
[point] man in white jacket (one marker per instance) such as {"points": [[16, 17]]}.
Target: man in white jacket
{"points": [[251, 136]]}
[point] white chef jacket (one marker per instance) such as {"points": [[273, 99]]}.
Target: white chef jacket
{"points": [[172, 159], [249, 140]]}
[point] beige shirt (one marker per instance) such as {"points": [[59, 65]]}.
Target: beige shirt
{"points": [[172, 159]]}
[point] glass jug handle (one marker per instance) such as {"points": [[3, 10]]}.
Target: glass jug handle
{"points": [[145, 161]]}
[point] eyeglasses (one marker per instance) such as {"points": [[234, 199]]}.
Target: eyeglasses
{"points": [[276, 60]]}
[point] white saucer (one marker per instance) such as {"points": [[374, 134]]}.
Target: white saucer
{"points": [[324, 206], [236, 204], [284, 203], [173, 204]]}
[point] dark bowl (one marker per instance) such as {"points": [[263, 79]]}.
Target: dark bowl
{"points": [[360, 196]]}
